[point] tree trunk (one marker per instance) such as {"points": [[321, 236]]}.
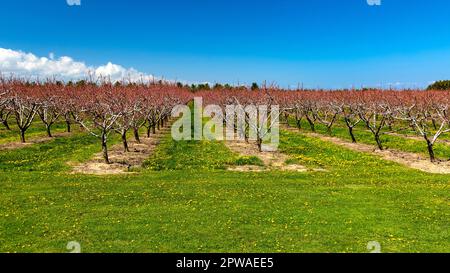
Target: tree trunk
{"points": [[148, 131], [259, 143], [136, 135], [49, 132], [68, 126], [299, 124], [378, 140], [153, 129], [22, 135], [5, 123], [124, 141], [105, 149], [350, 131], [431, 151], [311, 124]]}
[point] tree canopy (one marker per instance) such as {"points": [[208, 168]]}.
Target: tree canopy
{"points": [[440, 85]]}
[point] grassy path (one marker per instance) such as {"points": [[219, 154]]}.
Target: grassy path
{"points": [[36, 131]]}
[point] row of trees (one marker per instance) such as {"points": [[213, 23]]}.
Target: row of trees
{"points": [[425, 113], [99, 109], [252, 114], [105, 108], [439, 85]]}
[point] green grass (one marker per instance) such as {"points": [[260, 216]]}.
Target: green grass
{"points": [[442, 150], [196, 155], [249, 160], [37, 130], [185, 201], [190, 155]]}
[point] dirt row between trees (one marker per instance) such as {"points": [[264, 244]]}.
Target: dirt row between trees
{"points": [[33, 140], [122, 162], [416, 137], [411, 160]]}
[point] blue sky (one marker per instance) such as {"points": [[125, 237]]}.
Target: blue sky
{"points": [[321, 43]]}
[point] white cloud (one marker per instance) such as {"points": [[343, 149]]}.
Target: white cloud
{"points": [[24, 64]]}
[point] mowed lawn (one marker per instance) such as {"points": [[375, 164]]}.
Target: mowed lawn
{"points": [[184, 200]]}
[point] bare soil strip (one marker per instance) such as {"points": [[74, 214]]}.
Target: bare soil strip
{"points": [[411, 160], [273, 160], [122, 162], [416, 137], [33, 140]]}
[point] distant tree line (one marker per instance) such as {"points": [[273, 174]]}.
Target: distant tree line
{"points": [[217, 86], [440, 85]]}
